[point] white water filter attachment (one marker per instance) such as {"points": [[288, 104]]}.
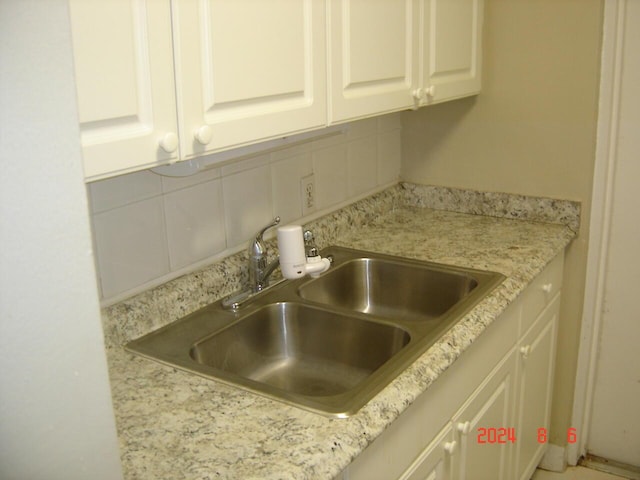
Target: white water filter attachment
{"points": [[293, 260]]}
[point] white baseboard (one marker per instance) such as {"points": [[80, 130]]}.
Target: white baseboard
{"points": [[554, 459]]}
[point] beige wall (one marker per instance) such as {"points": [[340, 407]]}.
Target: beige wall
{"points": [[531, 131]]}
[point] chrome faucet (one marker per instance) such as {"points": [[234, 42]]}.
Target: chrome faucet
{"points": [[259, 270], [299, 254]]}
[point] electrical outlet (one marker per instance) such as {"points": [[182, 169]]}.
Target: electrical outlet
{"points": [[308, 194]]}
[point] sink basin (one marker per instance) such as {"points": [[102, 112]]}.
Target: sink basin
{"points": [[395, 289], [327, 344], [301, 349]]}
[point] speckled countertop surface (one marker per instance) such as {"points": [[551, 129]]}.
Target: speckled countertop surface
{"points": [[175, 425]]}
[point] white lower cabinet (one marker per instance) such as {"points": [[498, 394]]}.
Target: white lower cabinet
{"points": [[436, 461], [537, 351], [481, 427], [487, 416], [470, 446]]}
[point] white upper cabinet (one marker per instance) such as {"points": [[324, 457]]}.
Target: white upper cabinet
{"points": [[388, 55], [124, 79], [372, 57], [248, 70], [166, 80], [451, 50]]}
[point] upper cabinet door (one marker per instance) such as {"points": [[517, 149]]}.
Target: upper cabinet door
{"points": [[372, 57], [124, 79], [248, 70], [451, 49]]}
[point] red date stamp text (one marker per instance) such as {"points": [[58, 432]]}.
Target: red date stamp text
{"points": [[508, 435]]}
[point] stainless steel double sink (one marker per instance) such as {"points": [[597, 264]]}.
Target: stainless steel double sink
{"points": [[327, 344]]}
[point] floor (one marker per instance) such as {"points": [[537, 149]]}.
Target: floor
{"points": [[574, 473]]}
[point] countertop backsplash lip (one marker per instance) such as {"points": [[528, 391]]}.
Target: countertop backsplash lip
{"points": [[494, 204], [172, 423]]}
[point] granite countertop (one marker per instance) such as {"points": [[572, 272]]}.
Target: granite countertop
{"points": [[173, 424]]}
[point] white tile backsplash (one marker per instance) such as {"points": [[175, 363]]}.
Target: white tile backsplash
{"points": [[337, 138], [389, 156], [293, 151], [250, 163], [131, 245], [389, 122], [122, 190], [285, 179], [362, 172], [148, 227], [171, 184], [195, 223], [363, 128], [247, 203], [330, 170]]}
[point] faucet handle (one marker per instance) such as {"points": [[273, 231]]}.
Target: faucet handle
{"points": [[311, 250], [256, 247]]}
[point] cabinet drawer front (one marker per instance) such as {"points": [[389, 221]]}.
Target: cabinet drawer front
{"points": [[541, 292]]}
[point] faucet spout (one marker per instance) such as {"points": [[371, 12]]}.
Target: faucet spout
{"points": [[259, 269], [269, 270]]}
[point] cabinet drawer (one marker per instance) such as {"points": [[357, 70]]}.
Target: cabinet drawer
{"points": [[540, 292]]}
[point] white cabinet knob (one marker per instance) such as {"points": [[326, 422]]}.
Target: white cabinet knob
{"points": [[547, 287], [464, 427], [204, 134], [169, 142], [525, 351], [421, 94], [450, 447]]}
